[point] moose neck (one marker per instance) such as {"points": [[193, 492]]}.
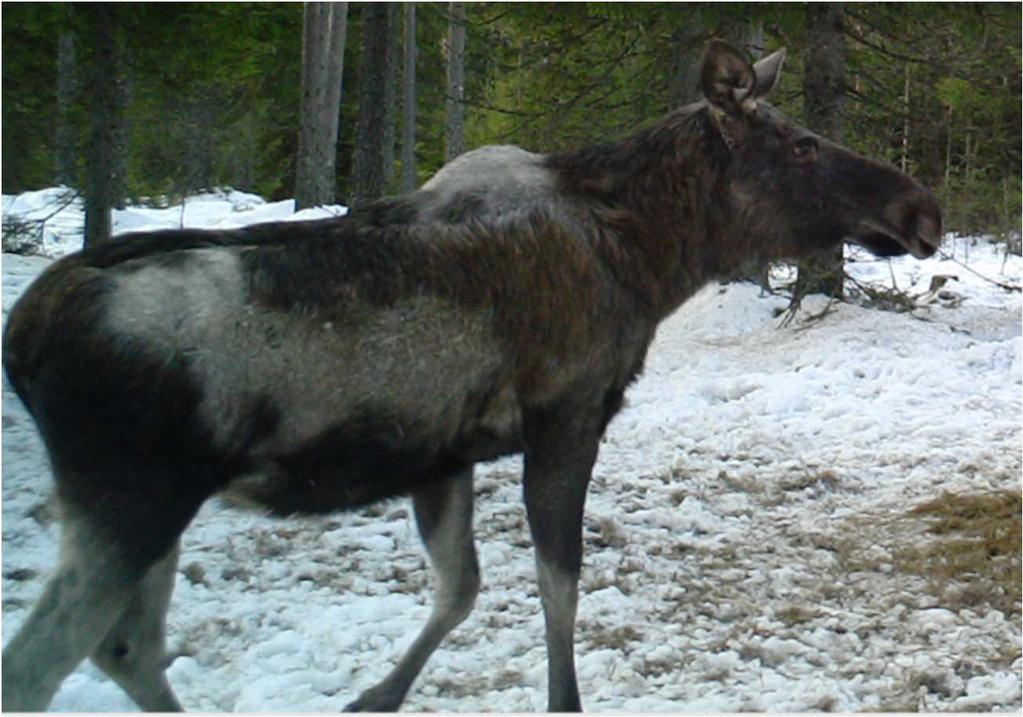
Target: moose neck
{"points": [[661, 203]]}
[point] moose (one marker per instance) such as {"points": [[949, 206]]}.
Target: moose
{"points": [[502, 308]]}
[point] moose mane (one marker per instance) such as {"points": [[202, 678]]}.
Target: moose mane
{"points": [[610, 169], [661, 189]]}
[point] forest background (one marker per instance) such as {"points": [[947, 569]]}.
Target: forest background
{"points": [[204, 95]]}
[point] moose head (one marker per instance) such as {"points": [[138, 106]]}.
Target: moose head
{"points": [[790, 186]]}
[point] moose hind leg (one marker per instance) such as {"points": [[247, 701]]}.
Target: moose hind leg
{"points": [[444, 516], [86, 595], [134, 653]]}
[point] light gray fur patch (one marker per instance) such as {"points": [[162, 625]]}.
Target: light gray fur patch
{"points": [[508, 176], [416, 362], [172, 306]]}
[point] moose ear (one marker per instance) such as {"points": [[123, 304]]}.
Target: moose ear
{"points": [[727, 79], [768, 70]]}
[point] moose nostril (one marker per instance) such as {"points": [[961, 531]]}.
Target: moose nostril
{"points": [[923, 219], [928, 228]]}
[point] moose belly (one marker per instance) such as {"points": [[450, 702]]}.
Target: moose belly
{"points": [[371, 457], [343, 468]]}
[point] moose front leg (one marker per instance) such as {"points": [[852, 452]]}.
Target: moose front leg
{"points": [[560, 451]]}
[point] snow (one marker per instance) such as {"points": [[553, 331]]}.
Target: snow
{"points": [[60, 210], [740, 529]]}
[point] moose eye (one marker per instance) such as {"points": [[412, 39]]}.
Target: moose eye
{"points": [[805, 150]]}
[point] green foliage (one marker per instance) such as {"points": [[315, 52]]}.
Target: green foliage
{"points": [[30, 33], [215, 87], [955, 93], [959, 133]]}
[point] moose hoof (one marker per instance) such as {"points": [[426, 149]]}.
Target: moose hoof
{"points": [[373, 700]]}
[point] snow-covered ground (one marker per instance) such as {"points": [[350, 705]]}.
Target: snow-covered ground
{"points": [[742, 531]]}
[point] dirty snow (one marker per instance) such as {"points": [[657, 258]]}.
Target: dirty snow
{"points": [[738, 532]]}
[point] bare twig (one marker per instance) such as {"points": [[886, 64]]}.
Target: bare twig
{"points": [[883, 297], [1006, 287], [62, 203], [16, 228], [812, 318]]}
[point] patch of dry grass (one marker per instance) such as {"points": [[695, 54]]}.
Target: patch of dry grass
{"points": [[965, 546], [794, 614], [974, 553]]}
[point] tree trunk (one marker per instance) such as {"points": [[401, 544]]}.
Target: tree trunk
{"points": [[824, 94], [243, 164], [904, 161], [948, 148], [454, 127], [105, 140], [122, 88], [684, 85], [408, 124], [66, 151], [199, 117], [391, 94], [368, 175], [324, 27], [748, 37]]}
